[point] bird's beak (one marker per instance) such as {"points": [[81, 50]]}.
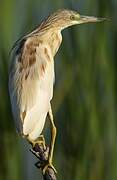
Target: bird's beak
{"points": [[89, 19]]}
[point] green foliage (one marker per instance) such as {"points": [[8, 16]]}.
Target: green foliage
{"points": [[85, 94]]}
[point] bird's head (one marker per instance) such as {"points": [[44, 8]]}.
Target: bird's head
{"points": [[64, 18]]}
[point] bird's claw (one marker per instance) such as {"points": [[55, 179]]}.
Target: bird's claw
{"points": [[49, 165], [35, 153]]}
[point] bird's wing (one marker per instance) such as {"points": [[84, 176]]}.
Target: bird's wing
{"points": [[32, 70]]}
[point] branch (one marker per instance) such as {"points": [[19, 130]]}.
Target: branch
{"points": [[42, 154]]}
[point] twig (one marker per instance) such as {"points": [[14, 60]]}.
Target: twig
{"points": [[42, 154]]}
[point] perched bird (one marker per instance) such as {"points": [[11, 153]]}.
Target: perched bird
{"points": [[31, 75]]}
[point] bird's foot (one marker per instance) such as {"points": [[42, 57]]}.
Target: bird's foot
{"points": [[39, 141], [48, 165]]}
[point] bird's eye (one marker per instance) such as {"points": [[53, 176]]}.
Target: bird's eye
{"points": [[72, 17]]}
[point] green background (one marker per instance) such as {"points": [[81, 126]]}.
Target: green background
{"points": [[85, 92]]}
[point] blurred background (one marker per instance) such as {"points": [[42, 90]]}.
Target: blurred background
{"points": [[85, 93]]}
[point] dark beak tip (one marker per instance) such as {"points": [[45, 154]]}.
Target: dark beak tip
{"points": [[103, 19]]}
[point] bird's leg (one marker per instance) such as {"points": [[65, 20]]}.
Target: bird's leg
{"points": [[53, 137]]}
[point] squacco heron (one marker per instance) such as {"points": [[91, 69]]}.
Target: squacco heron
{"points": [[31, 75]]}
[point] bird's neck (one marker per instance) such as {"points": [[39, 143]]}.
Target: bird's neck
{"points": [[54, 41]]}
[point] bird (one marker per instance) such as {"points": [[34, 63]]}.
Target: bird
{"points": [[32, 76]]}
